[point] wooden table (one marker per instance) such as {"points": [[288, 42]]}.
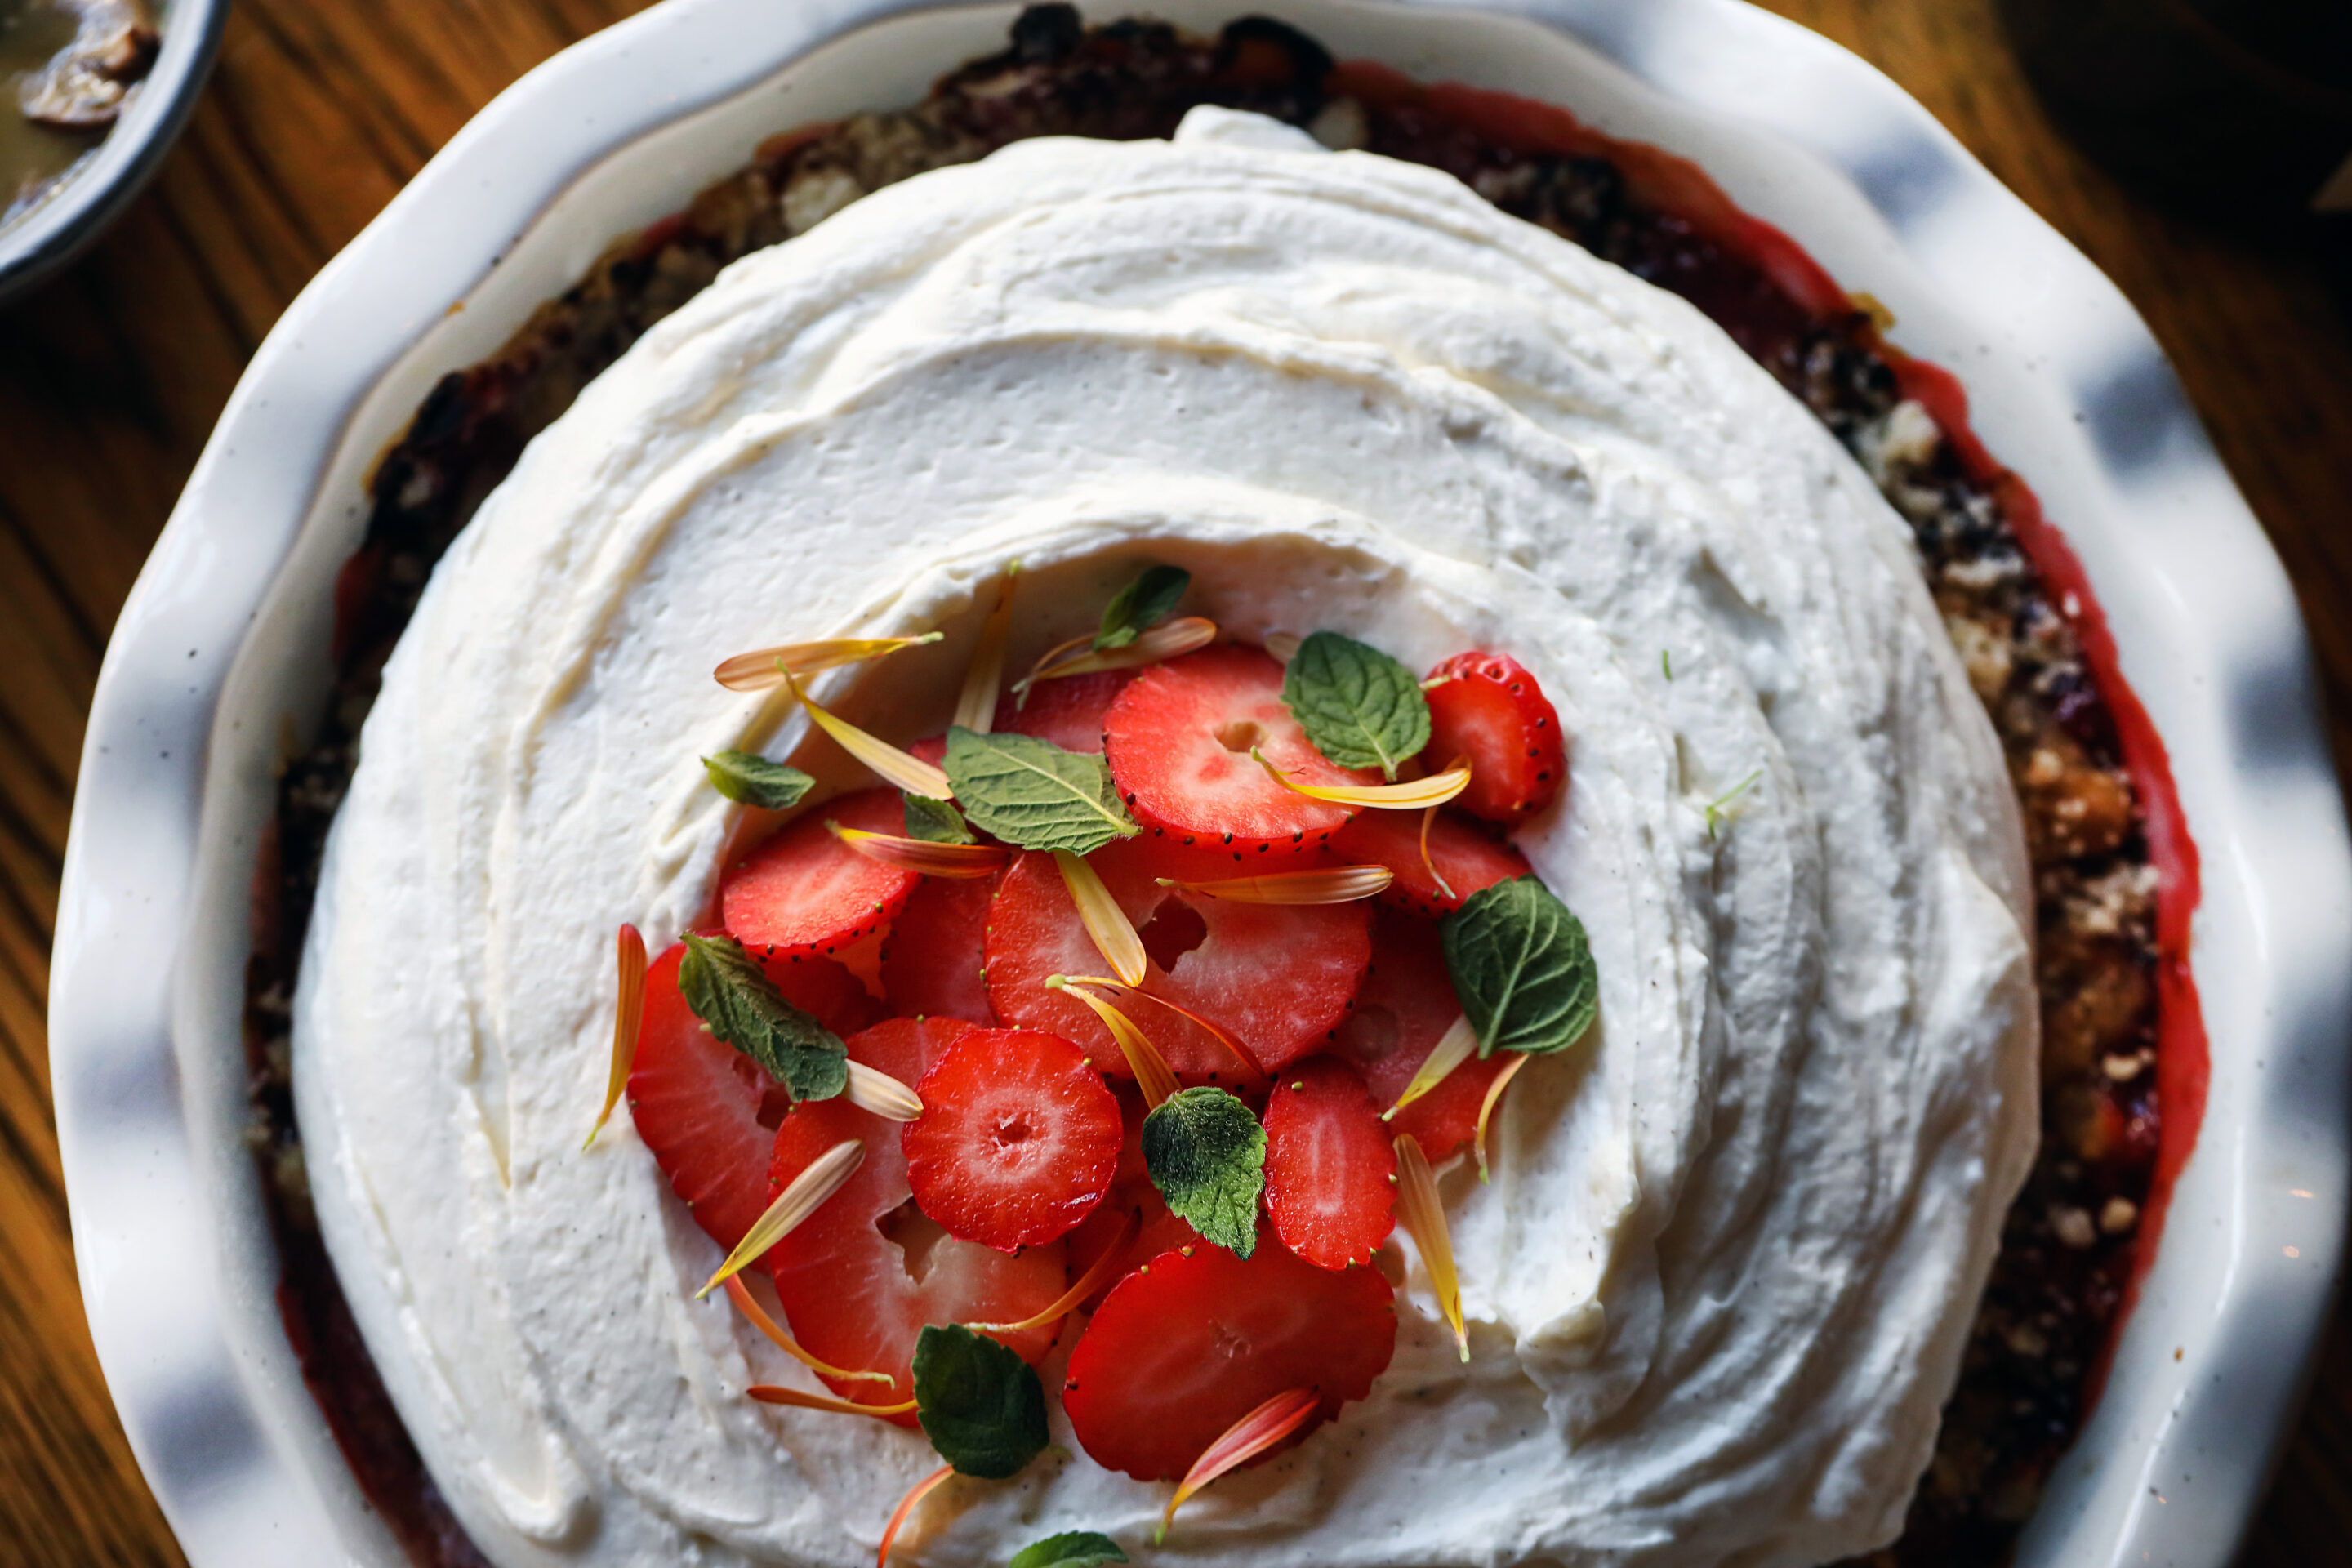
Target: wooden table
{"points": [[112, 376]]}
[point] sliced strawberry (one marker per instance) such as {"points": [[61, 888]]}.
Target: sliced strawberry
{"points": [[1488, 707], [861, 1277], [704, 1108], [1406, 1003], [1069, 711], [1277, 977], [1178, 740], [1187, 1346], [932, 959], [1330, 1169], [1464, 854], [805, 892], [1018, 1140], [1132, 1195]]}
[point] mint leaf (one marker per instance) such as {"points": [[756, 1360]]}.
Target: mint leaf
{"points": [[1360, 708], [980, 1403], [734, 997], [1078, 1549], [1137, 607], [751, 779], [1522, 968], [1033, 794], [1206, 1155], [936, 821]]}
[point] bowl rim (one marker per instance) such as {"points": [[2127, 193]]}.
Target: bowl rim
{"points": [[34, 248], [178, 1283]]}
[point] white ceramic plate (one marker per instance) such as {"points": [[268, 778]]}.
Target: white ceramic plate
{"points": [[223, 645]]}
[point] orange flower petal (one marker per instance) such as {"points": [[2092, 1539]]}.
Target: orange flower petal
{"points": [[1428, 821], [909, 774], [1210, 1027], [976, 705], [769, 1394], [965, 861], [906, 1507], [763, 669], [1412, 795], [1143, 1059], [629, 1017], [1242, 1441], [1068, 1300], [1114, 934], [1487, 1107], [749, 1305], [1423, 1218], [794, 1204], [1333, 885]]}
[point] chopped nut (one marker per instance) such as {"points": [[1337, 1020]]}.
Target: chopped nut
{"points": [[2122, 1070], [2118, 1216], [2072, 1227]]}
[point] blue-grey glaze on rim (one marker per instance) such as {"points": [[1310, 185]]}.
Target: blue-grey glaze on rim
{"points": [[222, 639]]}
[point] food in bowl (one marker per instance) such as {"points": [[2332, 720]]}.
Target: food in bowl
{"points": [[1525, 398], [67, 69]]}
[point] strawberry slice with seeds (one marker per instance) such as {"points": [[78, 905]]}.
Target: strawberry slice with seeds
{"points": [[1276, 977], [1178, 740], [1464, 854], [1069, 711], [805, 892], [1190, 1344], [1406, 1004], [706, 1110], [931, 960], [1018, 1140], [863, 1275], [1488, 707], [1330, 1168]]}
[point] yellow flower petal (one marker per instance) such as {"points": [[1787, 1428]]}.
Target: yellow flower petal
{"points": [[1423, 1218], [794, 1204], [966, 860], [628, 1017], [976, 705], [1428, 821], [769, 1394], [878, 1094], [1453, 1048], [1434, 790], [747, 1304], [909, 774], [1114, 934], [763, 669], [1167, 640], [1242, 1441], [1333, 885], [1216, 1031], [1068, 1302], [1143, 1059], [1486, 1106]]}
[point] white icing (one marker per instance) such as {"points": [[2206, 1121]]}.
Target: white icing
{"points": [[1719, 1286]]}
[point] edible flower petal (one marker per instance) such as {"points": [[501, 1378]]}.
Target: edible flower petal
{"points": [[1487, 1108], [909, 774], [770, 1393], [1283, 646], [1453, 1048], [1334, 885], [764, 669], [879, 1094], [1165, 641], [922, 1489], [1210, 1027], [749, 1305], [1424, 1220], [1114, 934], [1143, 1059], [1429, 864], [1434, 790], [932, 860], [976, 704], [628, 1017], [1067, 1301], [794, 1204], [1242, 1441]]}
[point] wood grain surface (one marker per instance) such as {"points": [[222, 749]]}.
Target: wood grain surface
{"points": [[110, 378]]}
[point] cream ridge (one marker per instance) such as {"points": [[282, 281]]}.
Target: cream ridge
{"points": [[1719, 1285]]}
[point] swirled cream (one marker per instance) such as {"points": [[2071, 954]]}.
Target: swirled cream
{"points": [[1719, 1286]]}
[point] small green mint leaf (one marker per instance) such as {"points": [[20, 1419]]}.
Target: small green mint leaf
{"points": [[1522, 968], [1076, 1549], [980, 1403], [1033, 794], [734, 997], [936, 821], [751, 779], [1206, 1155], [1360, 708], [1138, 607]]}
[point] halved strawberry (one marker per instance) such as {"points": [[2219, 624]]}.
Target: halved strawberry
{"points": [[704, 1108], [805, 892], [1330, 1169], [1187, 1346], [1488, 707], [1406, 1003], [1277, 977], [1465, 855], [932, 959], [861, 1277], [1069, 711], [1178, 740], [1018, 1140]]}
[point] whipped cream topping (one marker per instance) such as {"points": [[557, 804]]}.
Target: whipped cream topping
{"points": [[1719, 1285]]}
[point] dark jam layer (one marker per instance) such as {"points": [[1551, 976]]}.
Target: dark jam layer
{"points": [[2116, 875]]}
